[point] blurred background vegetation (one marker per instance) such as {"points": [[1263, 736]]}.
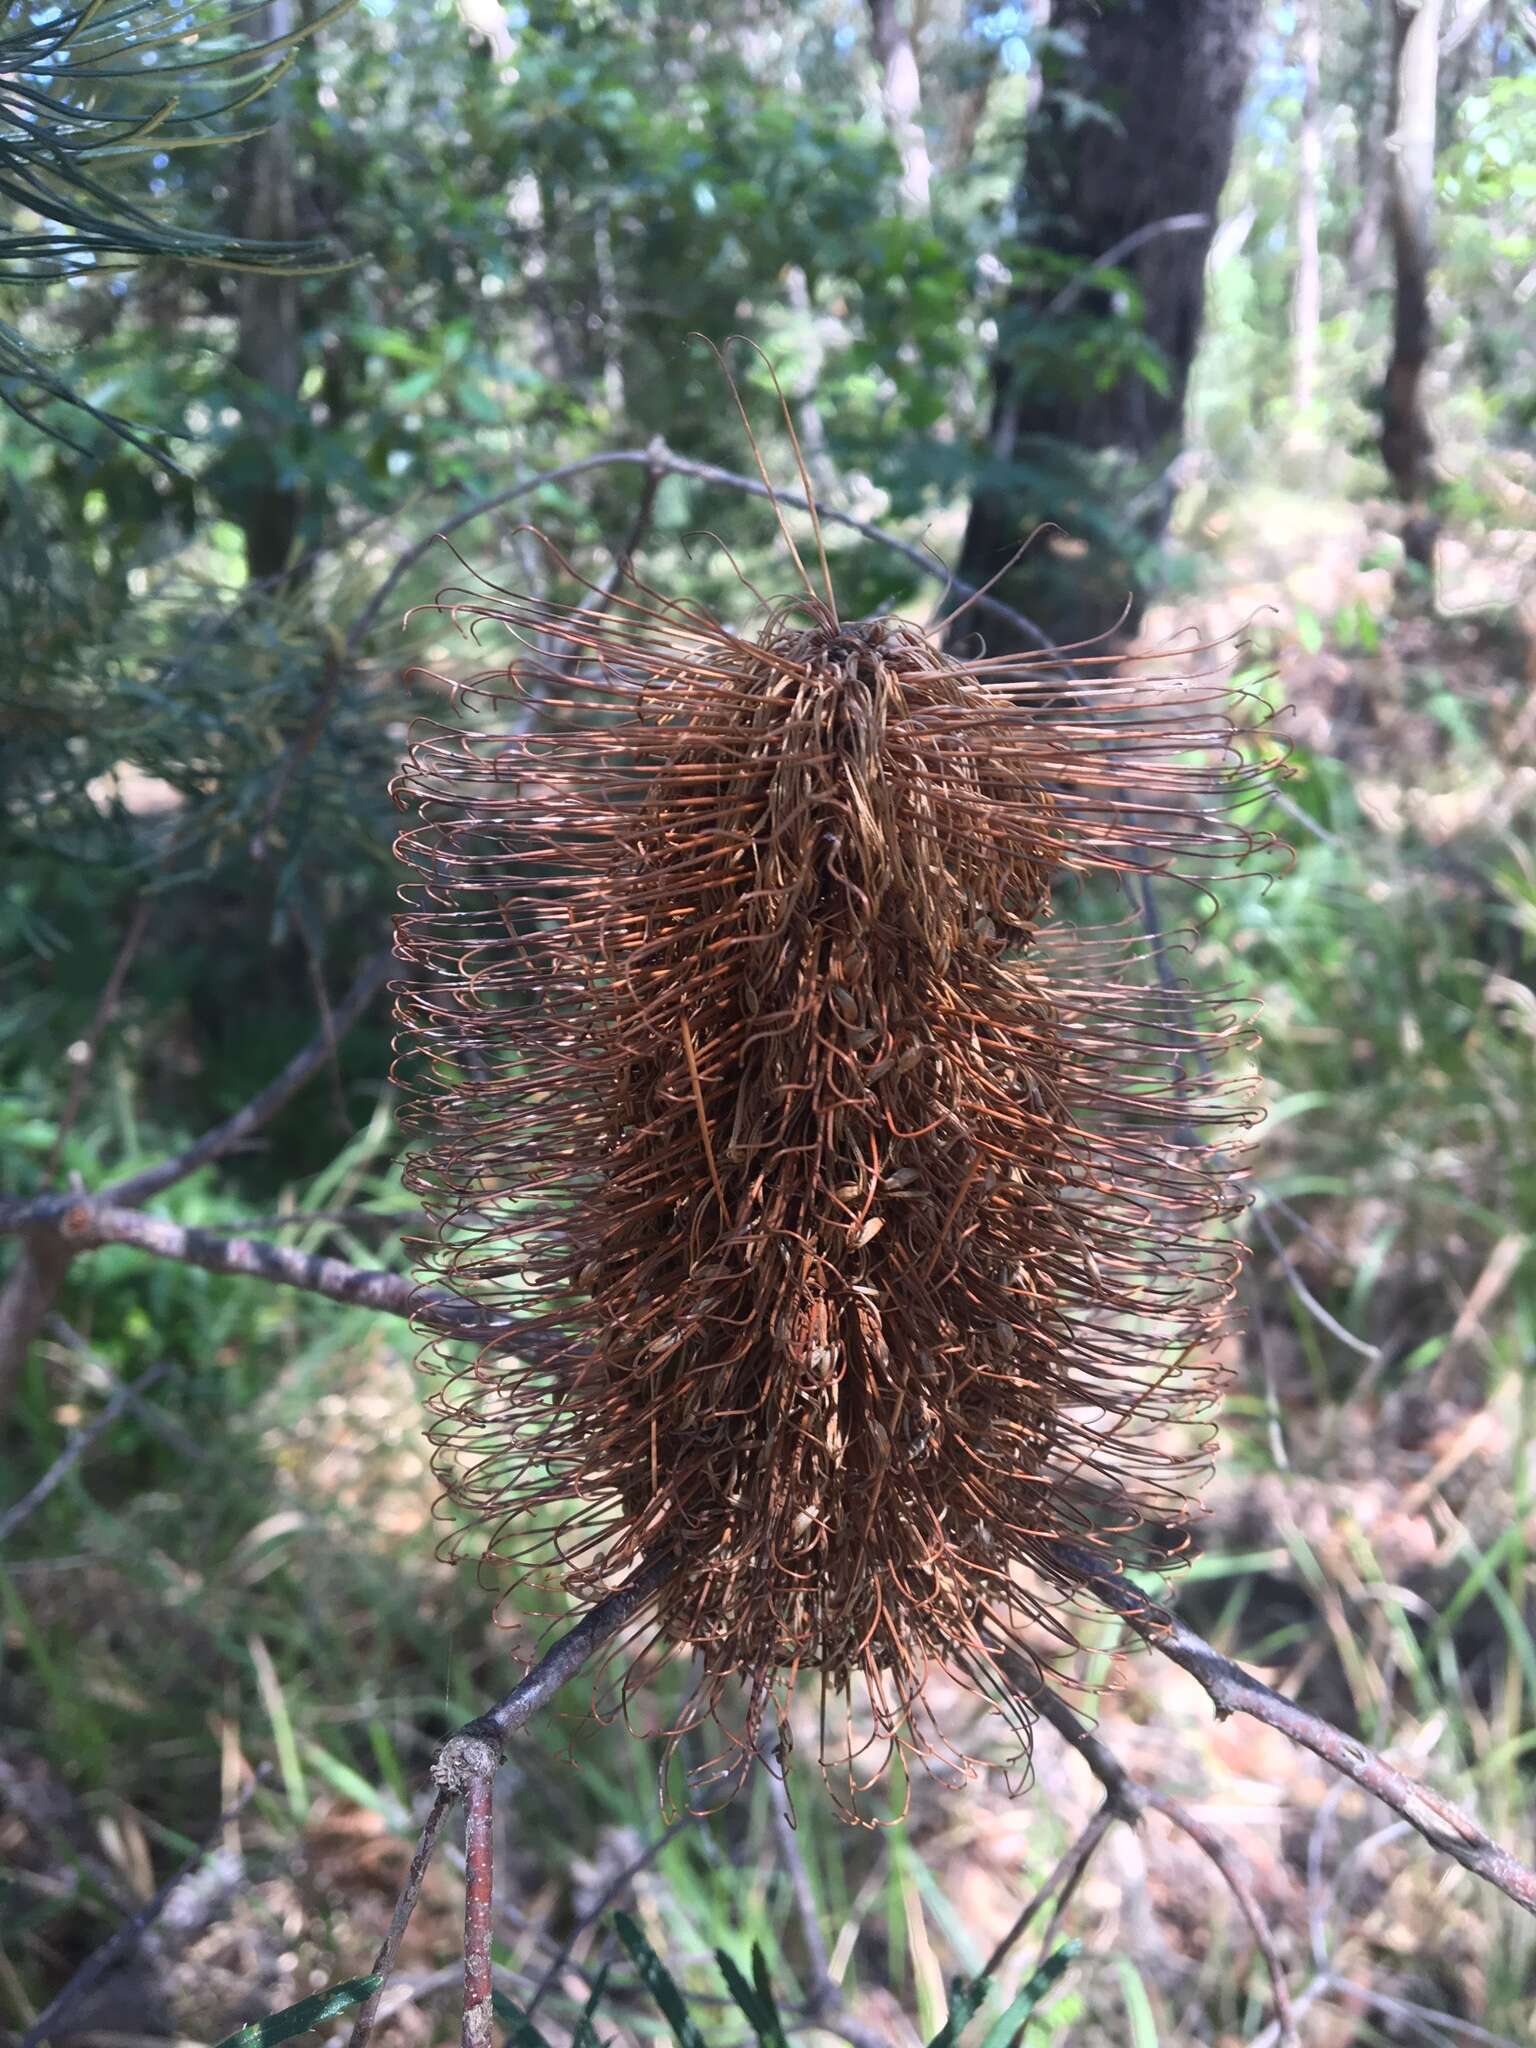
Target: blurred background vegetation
{"points": [[488, 232]]}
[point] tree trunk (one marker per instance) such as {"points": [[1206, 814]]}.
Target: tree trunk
{"points": [[1371, 147], [902, 97], [1407, 447], [1123, 166], [1306, 300], [267, 348]]}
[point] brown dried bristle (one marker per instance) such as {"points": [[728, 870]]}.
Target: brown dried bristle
{"points": [[856, 1205]]}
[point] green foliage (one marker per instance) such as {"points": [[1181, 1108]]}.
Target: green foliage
{"points": [[302, 2018], [659, 1982], [93, 100], [758, 2004], [1486, 190]]}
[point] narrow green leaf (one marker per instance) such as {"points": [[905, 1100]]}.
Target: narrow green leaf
{"points": [[1008, 2029], [756, 2003], [1138, 2007], [300, 2018], [965, 1996], [763, 1984], [585, 2035], [659, 1981], [524, 2033]]}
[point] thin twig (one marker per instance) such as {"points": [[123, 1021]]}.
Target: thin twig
{"points": [[82, 1441], [400, 1919], [333, 670], [661, 459], [1174, 224], [1063, 1879], [612, 1891], [336, 667], [624, 555], [234, 1130], [99, 1376], [1235, 1691], [479, 1894], [261, 1108], [1126, 1799], [128, 1936], [825, 2006], [1219, 1852], [1307, 1298], [473, 1755], [106, 1010], [418, 1990]]}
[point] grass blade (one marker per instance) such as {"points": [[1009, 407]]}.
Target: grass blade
{"points": [[1005, 2034], [755, 1999], [659, 1981], [300, 2018]]}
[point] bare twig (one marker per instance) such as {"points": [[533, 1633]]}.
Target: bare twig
{"points": [[76, 1448], [106, 1010], [1236, 1691], [612, 1891], [825, 2006], [1150, 231], [640, 526], [129, 1935], [1307, 1298], [661, 460], [261, 1109], [1126, 1799], [400, 1919], [92, 1223], [336, 663], [234, 1130], [479, 1892], [333, 669], [472, 1757], [1220, 1853], [99, 1377], [1063, 1880]]}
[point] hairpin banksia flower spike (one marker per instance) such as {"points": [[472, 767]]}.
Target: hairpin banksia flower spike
{"points": [[861, 1210]]}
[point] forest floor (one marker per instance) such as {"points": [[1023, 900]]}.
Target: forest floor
{"points": [[243, 1573]]}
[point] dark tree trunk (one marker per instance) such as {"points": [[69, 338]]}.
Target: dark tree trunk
{"points": [[1372, 115], [1161, 82], [267, 348], [1407, 446]]}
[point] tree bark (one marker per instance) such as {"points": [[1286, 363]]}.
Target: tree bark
{"points": [[1371, 146], [267, 348], [1407, 445], [1132, 137], [901, 94], [1307, 298]]}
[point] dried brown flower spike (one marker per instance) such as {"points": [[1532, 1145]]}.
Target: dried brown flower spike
{"points": [[856, 1197]]}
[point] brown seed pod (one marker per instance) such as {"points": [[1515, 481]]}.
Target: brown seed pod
{"points": [[853, 1195]]}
